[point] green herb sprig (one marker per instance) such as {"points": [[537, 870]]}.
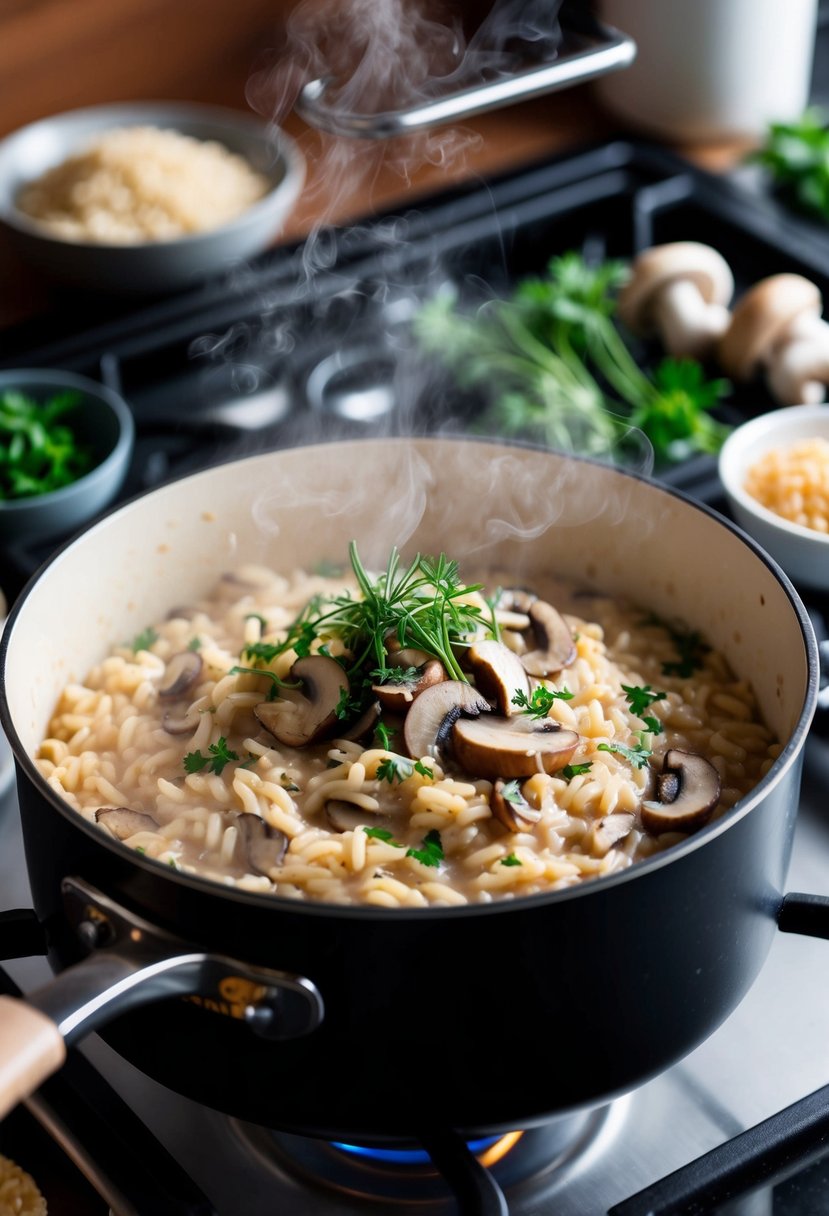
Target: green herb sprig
{"points": [[220, 755], [554, 366]]}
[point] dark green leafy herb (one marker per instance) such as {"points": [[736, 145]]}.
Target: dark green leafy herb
{"points": [[675, 416], [431, 851], [795, 155], [398, 768], [220, 755], [144, 640], [541, 702], [394, 675], [640, 698], [638, 755], [511, 860], [575, 770], [38, 451], [383, 735], [382, 834], [554, 367], [194, 644]]}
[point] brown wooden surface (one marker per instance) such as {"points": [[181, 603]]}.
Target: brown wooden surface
{"points": [[56, 55]]}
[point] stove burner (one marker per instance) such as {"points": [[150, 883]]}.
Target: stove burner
{"points": [[536, 1160]]}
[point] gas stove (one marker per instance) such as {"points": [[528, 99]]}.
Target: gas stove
{"points": [[269, 359]]}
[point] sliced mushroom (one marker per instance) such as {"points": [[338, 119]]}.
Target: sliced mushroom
{"points": [[510, 807], [554, 645], [123, 821], [398, 696], [301, 716], [345, 816], [432, 716], [499, 674], [261, 846], [680, 291], [360, 730], [180, 674], [609, 830], [177, 723], [689, 790], [512, 747]]}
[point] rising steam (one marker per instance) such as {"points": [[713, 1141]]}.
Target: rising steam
{"points": [[377, 56]]}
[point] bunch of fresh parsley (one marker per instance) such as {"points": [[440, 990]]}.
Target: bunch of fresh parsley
{"points": [[554, 366], [795, 155]]}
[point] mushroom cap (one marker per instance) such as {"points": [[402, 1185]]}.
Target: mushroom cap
{"points": [[398, 697], [499, 674], [689, 789], [761, 317], [303, 716], [123, 822], [511, 808], [554, 646], [655, 268], [511, 747], [433, 713]]}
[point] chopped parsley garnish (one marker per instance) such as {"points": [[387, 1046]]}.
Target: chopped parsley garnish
{"points": [[38, 452], [541, 702], [431, 851], [641, 698], [575, 770], [144, 640], [382, 834], [638, 755], [398, 768], [220, 756], [511, 860], [194, 644], [347, 706]]}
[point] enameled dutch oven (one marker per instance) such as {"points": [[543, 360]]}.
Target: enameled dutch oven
{"points": [[325, 1019]]}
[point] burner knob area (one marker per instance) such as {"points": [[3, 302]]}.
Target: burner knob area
{"points": [[285, 1013]]}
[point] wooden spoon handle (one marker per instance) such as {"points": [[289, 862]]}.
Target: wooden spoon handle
{"points": [[31, 1049]]}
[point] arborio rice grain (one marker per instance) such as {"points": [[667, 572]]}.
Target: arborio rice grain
{"points": [[138, 184], [107, 747]]}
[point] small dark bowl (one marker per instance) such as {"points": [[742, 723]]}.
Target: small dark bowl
{"points": [[103, 422]]}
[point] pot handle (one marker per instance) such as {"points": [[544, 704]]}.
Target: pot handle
{"points": [[31, 1049], [133, 963], [805, 914]]}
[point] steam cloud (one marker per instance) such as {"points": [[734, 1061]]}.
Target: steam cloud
{"points": [[387, 55]]}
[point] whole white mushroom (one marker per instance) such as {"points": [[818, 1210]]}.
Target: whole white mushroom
{"points": [[679, 292]]}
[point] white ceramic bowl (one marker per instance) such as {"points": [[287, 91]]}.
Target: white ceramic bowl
{"points": [[151, 266], [802, 552]]}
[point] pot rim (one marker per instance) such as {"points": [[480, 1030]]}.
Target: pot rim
{"points": [[276, 903]]}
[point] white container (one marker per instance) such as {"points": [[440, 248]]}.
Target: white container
{"points": [[802, 552], [712, 69]]}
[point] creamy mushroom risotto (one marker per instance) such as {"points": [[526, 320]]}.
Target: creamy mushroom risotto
{"points": [[402, 739]]}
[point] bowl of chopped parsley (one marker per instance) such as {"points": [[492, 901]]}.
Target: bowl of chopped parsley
{"points": [[65, 446]]}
